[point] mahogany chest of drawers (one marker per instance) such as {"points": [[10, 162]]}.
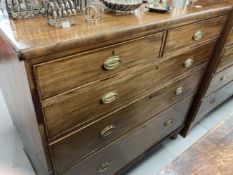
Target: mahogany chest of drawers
{"points": [[218, 85], [94, 98]]}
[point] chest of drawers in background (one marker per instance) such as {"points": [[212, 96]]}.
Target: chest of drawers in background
{"points": [[220, 86], [100, 109]]}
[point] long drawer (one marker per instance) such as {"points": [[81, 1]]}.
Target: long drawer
{"points": [[115, 156], [193, 34], [214, 100], [98, 99], [226, 60], [85, 103], [62, 75], [97, 135], [219, 80]]}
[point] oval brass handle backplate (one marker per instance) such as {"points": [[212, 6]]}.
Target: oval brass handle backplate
{"points": [[109, 97], [188, 62], [107, 131], [198, 35], [168, 123], [224, 78], [212, 101], [103, 167], [112, 62], [179, 90]]}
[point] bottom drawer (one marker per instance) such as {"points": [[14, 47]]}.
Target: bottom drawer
{"points": [[214, 100], [115, 156], [83, 142]]}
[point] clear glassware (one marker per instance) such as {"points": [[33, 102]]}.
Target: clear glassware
{"points": [[180, 3], [93, 13]]}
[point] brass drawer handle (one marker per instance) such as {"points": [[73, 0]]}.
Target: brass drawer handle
{"points": [[224, 78], [179, 90], [198, 35], [169, 122], [105, 166], [212, 101], [188, 62], [109, 97], [107, 131], [112, 63]]}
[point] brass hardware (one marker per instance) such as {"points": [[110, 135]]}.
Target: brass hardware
{"points": [[198, 35], [103, 167], [109, 97], [107, 131], [224, 78], [179, 90], [188, 62], [212, 101], [168, 123], [112, 62]]}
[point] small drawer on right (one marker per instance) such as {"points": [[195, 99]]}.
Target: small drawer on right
{"points": [[226, 60], [194, 34], [220, 79]]}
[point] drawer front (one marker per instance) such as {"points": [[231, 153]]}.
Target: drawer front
{"points": [[193, 34], [114, 157], [62, 75], [182, 63], [220, 79], [98, 99], [230, 41], [103, 132], [79, 108], [226, 60], [214, 100]]}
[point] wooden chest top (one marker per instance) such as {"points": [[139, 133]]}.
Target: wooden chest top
{"points": [[34, 38]]}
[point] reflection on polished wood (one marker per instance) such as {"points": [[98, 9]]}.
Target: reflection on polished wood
{"points": [[34, 37], [211, 155]]}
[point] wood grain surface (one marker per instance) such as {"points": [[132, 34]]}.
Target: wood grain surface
{"points": [[211, 155], [35, 38]]}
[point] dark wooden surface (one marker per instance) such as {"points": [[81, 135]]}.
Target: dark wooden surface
{"points": [[226, 60], [18, 99], [211, 29], [215, 99], [213, 65], [219, 80], [72, 68], [211, 155], [88, 139], [83, 104], [35, 38], [70, 103], [133, 144]]}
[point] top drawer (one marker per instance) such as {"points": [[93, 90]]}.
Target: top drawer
{"points": [[193, 34], [62, 75]]}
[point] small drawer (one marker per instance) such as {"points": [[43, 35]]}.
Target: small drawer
{"points": [[93, 101], [62, 75], [105, 131], [114, 157], [220, 79], [214, 100], [193, 34], [226, 60]]}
